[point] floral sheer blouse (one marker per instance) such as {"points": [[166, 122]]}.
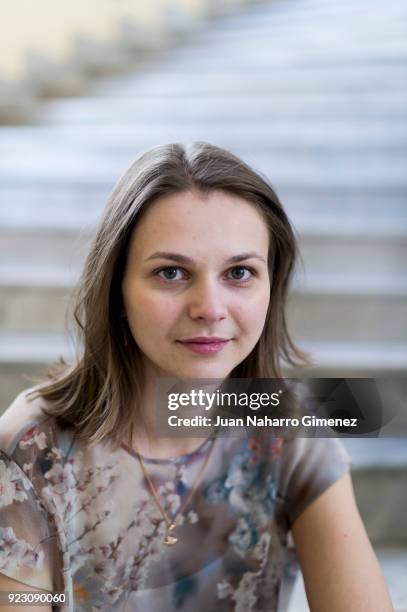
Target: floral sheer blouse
{"points": [[82, 519]]}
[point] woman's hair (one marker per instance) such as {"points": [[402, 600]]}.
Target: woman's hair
{"points": [[100, 393]]}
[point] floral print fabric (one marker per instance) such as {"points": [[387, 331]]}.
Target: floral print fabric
{"points": [[82, 520]]}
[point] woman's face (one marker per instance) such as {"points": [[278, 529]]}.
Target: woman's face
{"points": [[196, 286]]}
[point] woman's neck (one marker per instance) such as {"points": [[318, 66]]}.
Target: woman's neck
{"points": [[157, 445]]}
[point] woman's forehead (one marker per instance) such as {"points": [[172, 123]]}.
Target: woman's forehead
{"points": [[189, 218]]}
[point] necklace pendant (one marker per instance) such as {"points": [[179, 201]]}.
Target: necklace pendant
{"points": [[169, 539]]}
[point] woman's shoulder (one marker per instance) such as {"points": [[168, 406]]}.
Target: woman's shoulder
{"points": [[28, 536], [25, 427], [308, 467]]}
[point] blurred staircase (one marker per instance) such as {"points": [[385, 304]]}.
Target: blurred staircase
{"points": [[313, 93]]}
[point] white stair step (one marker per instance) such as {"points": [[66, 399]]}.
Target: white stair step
{"points": [[377, 453], [340, 358], [322, 171], [354, 255], [194, 109], [98, 143], [230, 82], [34, 348], [385, 30], [307, 14], [348, 285], [326, 50], [275, 32]]}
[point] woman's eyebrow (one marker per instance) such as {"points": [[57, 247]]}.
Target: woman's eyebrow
{"points": [[190, 262]]}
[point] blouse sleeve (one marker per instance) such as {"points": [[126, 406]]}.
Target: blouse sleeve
{"points": [[28, 546], [309, 467]]}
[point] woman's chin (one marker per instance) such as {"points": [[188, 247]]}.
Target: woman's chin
{"points": [[219, 374], [207, 371]]}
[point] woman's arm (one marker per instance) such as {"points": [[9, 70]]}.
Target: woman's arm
{"points": [[8, 584], [340, 569]]}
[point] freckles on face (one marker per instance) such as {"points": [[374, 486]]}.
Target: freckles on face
{"points": [[205, 292]]}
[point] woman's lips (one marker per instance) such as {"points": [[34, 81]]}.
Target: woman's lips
{"points": [[205, 346]]}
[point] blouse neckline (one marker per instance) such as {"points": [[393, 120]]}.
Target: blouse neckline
{"points": [[178, 459]]}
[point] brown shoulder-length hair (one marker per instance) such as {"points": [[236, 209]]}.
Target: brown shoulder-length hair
{"points": [[100, 393]]}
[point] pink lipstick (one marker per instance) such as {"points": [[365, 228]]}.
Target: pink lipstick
{"points": [[205, 345]]}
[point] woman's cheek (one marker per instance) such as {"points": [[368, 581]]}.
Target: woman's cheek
{"points": [[254, 323], [252, 314], [261, 305], [145, 306], [158, 314]]}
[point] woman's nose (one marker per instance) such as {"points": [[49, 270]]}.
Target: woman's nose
{"points": [[207, 302]]}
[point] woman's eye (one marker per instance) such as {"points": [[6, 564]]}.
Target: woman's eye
{"points": [[241, 273], [170, 273], [174, 273]]}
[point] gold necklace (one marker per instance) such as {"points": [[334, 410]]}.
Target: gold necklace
{"points": [[170, 539]]}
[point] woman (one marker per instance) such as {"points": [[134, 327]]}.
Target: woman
{"points": [[187, 278]]}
